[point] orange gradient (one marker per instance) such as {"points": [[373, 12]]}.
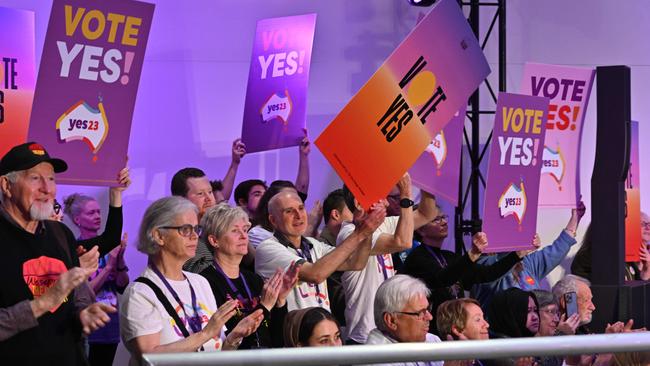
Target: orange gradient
{"points": [[633, 225], [17, 108], [356, 148]]}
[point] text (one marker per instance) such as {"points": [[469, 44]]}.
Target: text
{"points": [[95, 62], [517, 150], [93, 25], [520, 120], [284, 63], [551, 87], [551, 163], [399, 113], [276, 107], [9, 72], [83, 125], [512, 202]]}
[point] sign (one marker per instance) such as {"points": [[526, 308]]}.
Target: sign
{"points": [[87, 85], [633, 238], [568, 88], [276, 96], [510, 207], [17, 76], [437, 170], [387, 125]]}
